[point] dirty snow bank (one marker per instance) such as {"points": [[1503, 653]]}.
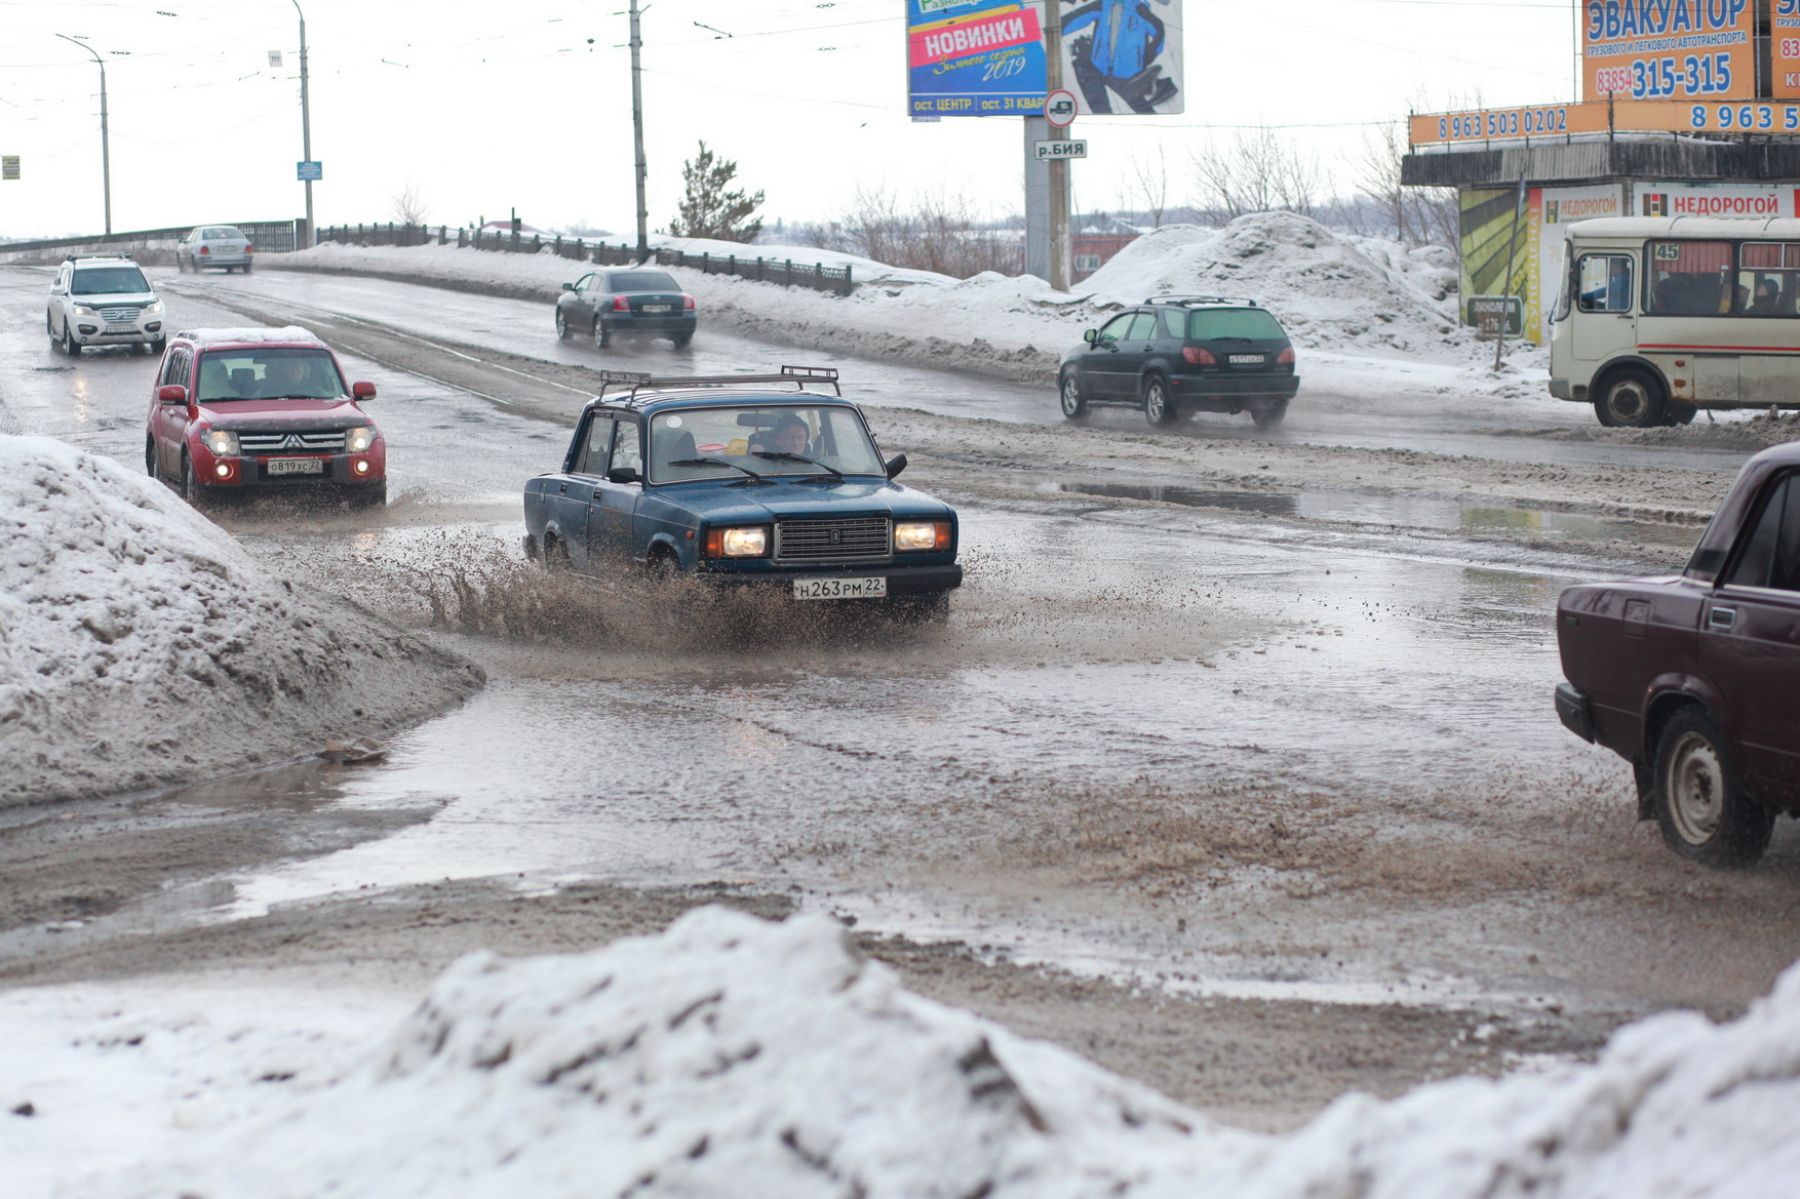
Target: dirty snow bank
{"points": [[1369, 317], [728, 1056], [139, 645]]}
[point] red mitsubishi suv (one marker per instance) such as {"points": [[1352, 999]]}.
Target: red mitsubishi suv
{"points": [[240, 410]]}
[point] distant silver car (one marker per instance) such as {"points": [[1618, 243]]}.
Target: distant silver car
{"points": [[215, 246]]}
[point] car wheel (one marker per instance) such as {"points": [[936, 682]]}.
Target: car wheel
{"points": [[180, 264], [562, 325], [246, 267], [682, 339], [662, 566], [150, 458], [190, 483], [1680, 414], [1270, 416], [1703, 810], [70, 346], [602, 338], [556, 555], [159, 345], [1632, 400], [1074, 403], [1159, 410]]}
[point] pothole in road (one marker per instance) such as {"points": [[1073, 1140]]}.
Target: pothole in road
{"points": [[1400, 511]]}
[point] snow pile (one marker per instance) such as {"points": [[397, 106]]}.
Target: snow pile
{"points": [[140, 645], [1330, 292], [727, 1056]]}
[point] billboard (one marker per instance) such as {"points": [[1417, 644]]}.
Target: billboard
{"points": [[1784, 50], [1713, 199], [1622, 116], [1668, 49], [1553, 209], [1531, 277], [974, 58], [985, 58], [1123, 57]]}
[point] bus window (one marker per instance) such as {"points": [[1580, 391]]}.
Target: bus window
{"points": [[1769, 272], [1604, 283], [1692, 278]]}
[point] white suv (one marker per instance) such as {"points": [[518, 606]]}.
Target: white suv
{"points": [[103, 300]]}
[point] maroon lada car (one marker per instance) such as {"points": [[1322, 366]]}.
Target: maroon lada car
{"points": [[1695, 678]]}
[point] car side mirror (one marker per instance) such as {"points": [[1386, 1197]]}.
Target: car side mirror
{"points": [[1089, 335], [624, 474], [171, 393], [362, 389], [568, 287], [895, 465]]}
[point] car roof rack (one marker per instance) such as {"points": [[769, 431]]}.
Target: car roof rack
{"points": [[1202, 300], [637, 384], [80, 257]]}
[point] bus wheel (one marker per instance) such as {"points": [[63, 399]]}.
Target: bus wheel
{"points": [[1631, 399], [1680, 414]]}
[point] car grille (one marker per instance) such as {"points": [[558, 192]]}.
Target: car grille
{"points": [[860, 539], [121, 314], [324, 441]]}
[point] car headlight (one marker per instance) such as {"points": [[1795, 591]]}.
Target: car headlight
{"points": [[359, 440], [922, 535], [222, 442], [84, 310], [153, 309], [746, 541]]}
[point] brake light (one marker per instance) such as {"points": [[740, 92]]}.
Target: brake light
{"points": [[249, 249], [1198, 356], [687, 303], [205, 250], [620, 304], [1286, 357]]}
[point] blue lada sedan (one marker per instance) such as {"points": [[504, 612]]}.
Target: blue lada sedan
{"points": [[747, 480]]}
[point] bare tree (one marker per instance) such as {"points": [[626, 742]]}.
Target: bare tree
{"points": [[940, 232], [1257, 172], [409, 205], [1152, 180], [1415, 215]]}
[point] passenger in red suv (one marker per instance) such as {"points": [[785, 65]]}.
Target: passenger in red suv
{"points": [[242, 409]]}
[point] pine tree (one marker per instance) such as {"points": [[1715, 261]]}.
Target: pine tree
{"points": [[708, 209]]}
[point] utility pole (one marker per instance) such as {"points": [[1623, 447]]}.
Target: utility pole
{"points": [[637, 133], [1059, 167], [305, 130], [105, 158]]}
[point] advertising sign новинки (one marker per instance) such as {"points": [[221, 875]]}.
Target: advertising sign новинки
{"points": [[985, 58], [1668, 49]]}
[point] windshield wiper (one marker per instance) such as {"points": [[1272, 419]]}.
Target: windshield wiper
{"points": [[715, 462], [784, 456]]}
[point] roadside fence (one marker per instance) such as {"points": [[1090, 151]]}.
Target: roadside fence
{"points": [[784, 271], [149, 245]]}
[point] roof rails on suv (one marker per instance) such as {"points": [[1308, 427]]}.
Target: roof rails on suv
{"points": [[106, 257], [639, 382], [1184, 301]]}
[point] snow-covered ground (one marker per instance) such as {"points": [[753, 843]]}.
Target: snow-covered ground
{"points": [[1369, 317], [140, 645], [730, 1056]]}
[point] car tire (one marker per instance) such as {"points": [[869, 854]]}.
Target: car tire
{"points": [[562, 325], [370, 495], [180, 264], [247, 266], [159, 345], [681, 340], [1680, 414], [70, 346], [1269, 416], [150, 458], [190, 483], [1704, 811], [602, 338], [1632, 399], [1159, 408], [1074, 400], [555, 556]]}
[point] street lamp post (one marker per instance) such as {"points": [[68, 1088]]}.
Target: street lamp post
{"points": [[105, 157], [305, 127]]}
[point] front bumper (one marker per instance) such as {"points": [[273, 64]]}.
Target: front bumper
{"points": [[92, 332], [902, 581], [336, 471], [1572, 710]]}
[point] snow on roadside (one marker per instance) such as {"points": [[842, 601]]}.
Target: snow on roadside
{"points": [[732, 1056], [139, 645], [1369, 317]]}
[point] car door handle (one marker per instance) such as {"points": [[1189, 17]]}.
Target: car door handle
{"points": [[562, 489], [1721, 619]]}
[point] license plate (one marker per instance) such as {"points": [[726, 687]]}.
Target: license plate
{"points": [[295, 466], [826, 589], [1246, 359], [655, 307], [121, 329]]}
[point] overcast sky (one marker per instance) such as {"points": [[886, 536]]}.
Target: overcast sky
{"points": [[481, 107]]}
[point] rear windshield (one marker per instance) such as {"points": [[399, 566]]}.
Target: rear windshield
{"points": [[1253, 324], [108, 281], [220, 233], [642, 281]]}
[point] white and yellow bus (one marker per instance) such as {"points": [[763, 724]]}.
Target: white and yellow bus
{"points": [[1660, 317]]}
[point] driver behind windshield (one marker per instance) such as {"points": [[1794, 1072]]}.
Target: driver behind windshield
{"points": [[290, 376], [789, 436]]}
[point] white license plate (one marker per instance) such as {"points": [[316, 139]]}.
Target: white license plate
{"points": [[121, 329], [1246, 359], [295, 466], [823, 589], [655, 307]]}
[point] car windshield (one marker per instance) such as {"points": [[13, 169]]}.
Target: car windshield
{"points": [[268, 374], [108, 281], [221, 233], [641, 281], [766, 440], [1220, 323]]}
